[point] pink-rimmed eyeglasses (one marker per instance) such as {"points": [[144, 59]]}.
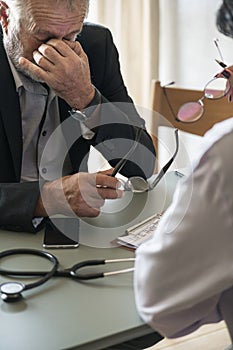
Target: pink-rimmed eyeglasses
{"points": [[190, 112], [217, 88]]}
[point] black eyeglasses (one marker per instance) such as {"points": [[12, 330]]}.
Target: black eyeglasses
{"points": [[123, 161], [138, 184]]}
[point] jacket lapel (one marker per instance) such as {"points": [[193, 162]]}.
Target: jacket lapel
{"points": [[10, 112], [11, 117]]}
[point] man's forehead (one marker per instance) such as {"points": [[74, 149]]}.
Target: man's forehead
{"points": [[69, 4], [30, 8], [42, 14]]}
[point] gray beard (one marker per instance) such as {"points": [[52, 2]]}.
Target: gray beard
{"points": [[14, 50]]}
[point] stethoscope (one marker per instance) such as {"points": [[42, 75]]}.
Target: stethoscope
{"points": [[12, 291]]}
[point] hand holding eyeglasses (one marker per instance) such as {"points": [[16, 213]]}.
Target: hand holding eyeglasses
{"points": [[218, 87], [227, 73]]}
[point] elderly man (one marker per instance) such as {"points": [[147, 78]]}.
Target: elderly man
{"points": [[58, 73], [61, 91]]}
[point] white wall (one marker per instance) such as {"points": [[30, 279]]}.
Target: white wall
{"points": [[183, 49], [182, 38], [187, 52]]}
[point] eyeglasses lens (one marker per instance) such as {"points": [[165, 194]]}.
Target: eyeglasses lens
{"points": [[216, 88], [190, 112]]}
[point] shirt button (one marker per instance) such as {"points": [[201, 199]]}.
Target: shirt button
{"points": [[44, 133], [44, 170]]}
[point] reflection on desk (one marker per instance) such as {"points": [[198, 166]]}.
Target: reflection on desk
{"points": [[119, 214]]}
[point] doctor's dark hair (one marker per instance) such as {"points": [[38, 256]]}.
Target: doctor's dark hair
{"points": [[224, 19]]}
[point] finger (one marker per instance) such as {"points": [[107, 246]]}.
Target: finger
{"points": [[85, 201], [230, 68], [107, 193], [75, 46], [87, 191], [87, 212], [107, 181], [42, 61], [106, 172], [50, 53], [226, 73], [61, 46], [93, 199], [35, 70]]}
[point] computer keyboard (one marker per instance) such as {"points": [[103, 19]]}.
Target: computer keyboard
{"points": [[140, 232]]}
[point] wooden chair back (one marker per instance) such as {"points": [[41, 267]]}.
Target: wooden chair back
{"points": [[214, 110]]}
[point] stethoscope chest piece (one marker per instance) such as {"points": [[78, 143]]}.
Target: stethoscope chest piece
{"points": [[11, 291]]}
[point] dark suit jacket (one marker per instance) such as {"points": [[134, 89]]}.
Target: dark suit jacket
{"points": [[18, 200]]}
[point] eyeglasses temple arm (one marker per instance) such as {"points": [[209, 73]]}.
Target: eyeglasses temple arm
{"points": [[218, 48], [166, 166], [123, 161], [168, 101]]}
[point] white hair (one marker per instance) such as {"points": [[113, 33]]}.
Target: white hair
{"points": [[18, 8], [16, 12]]}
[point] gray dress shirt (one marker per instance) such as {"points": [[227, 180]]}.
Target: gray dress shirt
{"points": [[40, 117]]}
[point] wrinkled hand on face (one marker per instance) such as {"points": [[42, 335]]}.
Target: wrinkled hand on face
{"points": [[63, 66]]}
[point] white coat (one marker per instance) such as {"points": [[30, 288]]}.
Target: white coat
{"points": [[184, 274]]}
